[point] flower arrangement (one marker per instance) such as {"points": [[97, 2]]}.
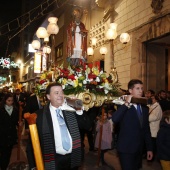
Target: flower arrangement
{"points": [[75, 80], [42, 83]]}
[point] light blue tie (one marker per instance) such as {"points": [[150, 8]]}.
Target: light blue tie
{"points": [[64, 132]]}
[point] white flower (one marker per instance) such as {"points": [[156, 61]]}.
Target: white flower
{"points": [[80, 74], [97, 79], [107, 86], [84, 82], [106, 91], [63, 86]]}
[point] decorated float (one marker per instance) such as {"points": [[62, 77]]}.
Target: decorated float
{"points": [[91, 85]]}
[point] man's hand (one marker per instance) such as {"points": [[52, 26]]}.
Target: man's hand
{"points": [[128, 98], [149, 155]]}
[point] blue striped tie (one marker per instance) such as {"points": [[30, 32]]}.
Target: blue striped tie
{"points": [[64, 132]]}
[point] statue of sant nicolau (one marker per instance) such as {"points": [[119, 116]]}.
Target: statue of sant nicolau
{"points": [[76, 40]]}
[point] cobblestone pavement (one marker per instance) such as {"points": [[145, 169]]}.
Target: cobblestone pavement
{"points": [[112, 160], [90, 160]]}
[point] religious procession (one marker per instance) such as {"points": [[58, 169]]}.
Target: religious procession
{"points": [[80, 98]]}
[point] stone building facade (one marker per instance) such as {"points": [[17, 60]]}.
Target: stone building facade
{"points": [[146, 56]]}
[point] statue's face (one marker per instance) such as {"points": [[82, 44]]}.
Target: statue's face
{"points": [[77, 15]]}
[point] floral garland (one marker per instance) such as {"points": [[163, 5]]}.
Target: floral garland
{"points": [[75, 80], [78, 79]]}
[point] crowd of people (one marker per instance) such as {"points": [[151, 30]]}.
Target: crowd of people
{"points": [[133, 129]]}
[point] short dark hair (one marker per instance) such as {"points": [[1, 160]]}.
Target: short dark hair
{"points": [[151, 91], [133, 82], [48, 89], [166, 115], [156, 97]]}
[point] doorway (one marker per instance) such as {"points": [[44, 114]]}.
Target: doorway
{"points": [[158, 64]]}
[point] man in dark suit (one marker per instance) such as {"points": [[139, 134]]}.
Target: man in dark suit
{"points": [[18, 97], [55, 154], [33, 103], [134, 129]]}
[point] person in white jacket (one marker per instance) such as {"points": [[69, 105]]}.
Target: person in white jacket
{"points": [[155, 116]]}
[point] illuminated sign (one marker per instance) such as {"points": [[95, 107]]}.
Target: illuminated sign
{"points": [[2, 79], [44, 62], [37, 63], [6, 63], [30, 49]]}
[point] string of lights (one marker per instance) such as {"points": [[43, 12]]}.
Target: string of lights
{"points": [[14, 27], [29, 17]]}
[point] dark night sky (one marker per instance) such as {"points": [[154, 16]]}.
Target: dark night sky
{"points": [[9, 11]]}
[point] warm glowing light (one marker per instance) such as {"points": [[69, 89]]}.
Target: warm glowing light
{"points": [[93, 41], [111, 34], [90, 51], [41, 32], [47, 50], [124, 38], [113, 26], [103, 50], [52, 27], [37, 63], [35, 44]]}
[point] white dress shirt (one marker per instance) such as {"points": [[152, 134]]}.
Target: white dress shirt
{"points": [[56, 128]]}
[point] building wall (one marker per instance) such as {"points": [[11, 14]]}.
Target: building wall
{"points": [[135, 15]]}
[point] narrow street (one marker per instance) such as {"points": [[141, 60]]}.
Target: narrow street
{"points": [[90, 159], [112, 160]]}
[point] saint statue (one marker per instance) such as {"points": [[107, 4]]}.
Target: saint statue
{"points": [[76, 40]]}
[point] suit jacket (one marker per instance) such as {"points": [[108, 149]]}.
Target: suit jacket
{"points": [[72, 124], [32, 104], [132, 134], [17, 100]]}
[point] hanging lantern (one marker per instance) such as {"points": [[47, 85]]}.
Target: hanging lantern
{"points": [[52, 27], [47, 50], [113, 26], [124, 38], [93, 41], [41, 32], [90, 51], [103, 50], [46, 39], [35, 44], [111, 34]]}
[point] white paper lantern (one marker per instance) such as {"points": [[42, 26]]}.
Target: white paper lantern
{"points": [[35, 44], [90, 51], [103, 50], [52, 27], [124, 38], [111, 34], [41, 32]]}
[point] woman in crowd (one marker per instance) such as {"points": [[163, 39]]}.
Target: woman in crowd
{"points": [[155, 116], [8, 129]]}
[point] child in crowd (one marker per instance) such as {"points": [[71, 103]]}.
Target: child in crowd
{"points": [[110, 113], [8, 129], [163, 141], [106, 139]]}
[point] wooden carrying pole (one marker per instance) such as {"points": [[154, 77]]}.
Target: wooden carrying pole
{"points": [[31, 119], [100, 137]]}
